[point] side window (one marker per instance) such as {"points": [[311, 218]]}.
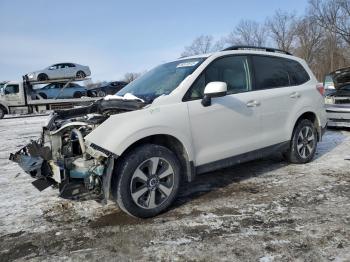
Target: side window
{"points": [[270, 72], [53, 67], [71, 65], [12, 89], [233, 70], [297, 73]]}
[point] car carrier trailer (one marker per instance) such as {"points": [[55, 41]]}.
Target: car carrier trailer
{"points": [[19, 97]]}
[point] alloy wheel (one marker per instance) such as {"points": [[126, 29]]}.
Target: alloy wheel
{"points": [[306, 142], [152, 183]]}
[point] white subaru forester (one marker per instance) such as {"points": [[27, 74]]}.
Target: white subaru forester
{"points": [[183, 118]]}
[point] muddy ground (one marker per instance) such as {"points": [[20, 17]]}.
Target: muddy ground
{"points": [[265, 210]]}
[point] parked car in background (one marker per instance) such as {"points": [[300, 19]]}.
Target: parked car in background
{"points": [[109, 89], [337, 97], [60, 71], [55, 90]]}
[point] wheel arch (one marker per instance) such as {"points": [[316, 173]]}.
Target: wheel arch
{"points": [[312, 116], [172, 143], [43, 74]]}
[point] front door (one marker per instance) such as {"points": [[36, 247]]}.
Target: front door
{"points": [[13, 96], [230, 126]]}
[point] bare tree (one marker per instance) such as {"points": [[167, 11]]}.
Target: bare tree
{"points": [[129, 77], [201, 45], [310, 39], [282, 28], [334, 15], [247, 32]]}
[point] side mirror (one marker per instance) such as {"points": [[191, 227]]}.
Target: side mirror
{"points": [[51, 68], [213, 89]]}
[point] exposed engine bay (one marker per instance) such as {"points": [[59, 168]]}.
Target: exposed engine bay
{"points": [[61, 158]]}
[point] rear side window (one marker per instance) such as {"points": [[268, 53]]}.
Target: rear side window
{"points": [[274, 72], [270, 72], [297, 73]]}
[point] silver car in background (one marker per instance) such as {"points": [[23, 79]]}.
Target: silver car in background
{"points": [[60, 71]]}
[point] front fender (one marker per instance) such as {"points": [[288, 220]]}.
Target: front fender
{"points": [[120, 131]]}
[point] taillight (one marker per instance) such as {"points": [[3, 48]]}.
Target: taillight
{"points": [[320, 88]]}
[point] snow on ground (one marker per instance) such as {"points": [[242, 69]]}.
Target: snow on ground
{"points": [[265, 210]]}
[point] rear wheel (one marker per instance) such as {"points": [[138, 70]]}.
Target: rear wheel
{"points": [[303, 144], [81, 74], [148, 181], [43, 77]]}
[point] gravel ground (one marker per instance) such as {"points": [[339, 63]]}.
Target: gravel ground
{"points": [[265, 210]]}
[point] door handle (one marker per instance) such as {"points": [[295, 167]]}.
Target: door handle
{"points": [[294, 95], [253, 103]]}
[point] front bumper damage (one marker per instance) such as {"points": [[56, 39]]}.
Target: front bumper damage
{"points": [[63, 159], [86, 179]]}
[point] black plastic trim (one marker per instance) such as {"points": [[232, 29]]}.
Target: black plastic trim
{"points": [[230, 161]]}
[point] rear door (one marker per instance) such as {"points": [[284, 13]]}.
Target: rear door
{"points": [[231, 124], [278, 90]]}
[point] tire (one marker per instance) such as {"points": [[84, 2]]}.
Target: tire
{"points": [[77, 95], [2, 112], [43, 77], [303, 144], [137, 184], [80, 74], [43, 95], [101, 93]]}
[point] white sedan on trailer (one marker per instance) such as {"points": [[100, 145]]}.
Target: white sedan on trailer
{"points": [[60, 71]]}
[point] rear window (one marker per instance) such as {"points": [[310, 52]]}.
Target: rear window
{"points": [[274, 72]]}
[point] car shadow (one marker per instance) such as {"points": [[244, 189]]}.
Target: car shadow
{"points": [[214, 181]]}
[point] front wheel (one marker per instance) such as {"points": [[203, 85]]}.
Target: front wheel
{"points": [[43, 77], [2, 113], [303, 144], [148, 181]]}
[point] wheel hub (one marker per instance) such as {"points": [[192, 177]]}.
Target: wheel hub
{"points": [[153, 183], [305, 142]]}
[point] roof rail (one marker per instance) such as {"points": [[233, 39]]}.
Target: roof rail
{"points": [[249, 47]]}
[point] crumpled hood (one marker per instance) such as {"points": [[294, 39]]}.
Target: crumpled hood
{"points": [[341, 77]]}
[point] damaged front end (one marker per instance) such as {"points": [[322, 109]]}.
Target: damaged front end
{"points": [[60, 158]]}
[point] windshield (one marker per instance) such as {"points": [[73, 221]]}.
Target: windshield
{"points": [[161, 80]]}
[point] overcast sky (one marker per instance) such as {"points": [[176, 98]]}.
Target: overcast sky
{"points": [[115, 37]]}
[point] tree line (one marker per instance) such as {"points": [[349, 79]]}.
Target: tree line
{"points": [[321, 36]]}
